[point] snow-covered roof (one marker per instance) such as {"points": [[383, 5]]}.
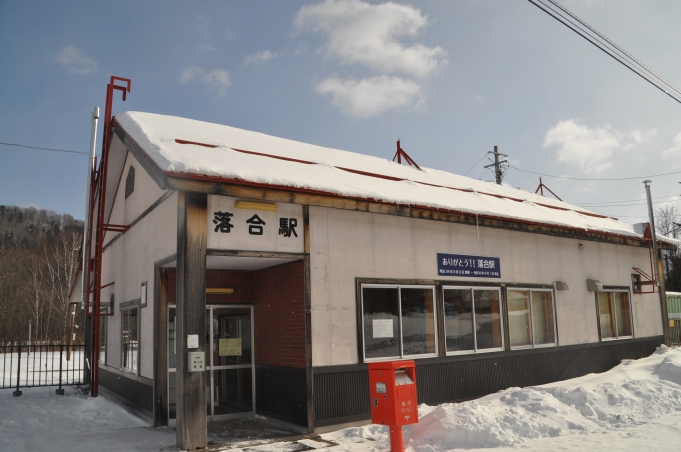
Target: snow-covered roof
{"points": [[188, 148]]}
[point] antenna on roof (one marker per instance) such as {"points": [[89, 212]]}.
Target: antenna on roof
{"points": [[400, 154], [541, 188]]}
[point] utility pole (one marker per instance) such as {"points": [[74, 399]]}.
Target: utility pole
{"points": [[497, 164], [657, 266]]}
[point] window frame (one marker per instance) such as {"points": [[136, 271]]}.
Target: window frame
{"points": [[103, 339], [124, 310], [555, 326], [475, 336], [613, 290], [360, 326]]}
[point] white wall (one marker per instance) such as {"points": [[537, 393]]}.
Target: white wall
{"points": [[130, 260], [346, 245]]}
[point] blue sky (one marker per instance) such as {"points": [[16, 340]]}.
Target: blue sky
{"points": [[450, 79]]}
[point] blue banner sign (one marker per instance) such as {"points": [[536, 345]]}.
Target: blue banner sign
{"points": [[468, 266]]}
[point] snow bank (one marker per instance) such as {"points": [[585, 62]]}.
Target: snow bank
{"points": [[628, 395]]}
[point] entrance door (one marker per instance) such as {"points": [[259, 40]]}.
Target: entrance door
{"points": [[230, 373]]}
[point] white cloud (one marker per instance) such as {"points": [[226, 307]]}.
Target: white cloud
{"points": [[76, 61], [367, 34], [370, 96], [216, 79], [260, 57], [201, 23], [205, 47], [590, 148], [673, 152]]}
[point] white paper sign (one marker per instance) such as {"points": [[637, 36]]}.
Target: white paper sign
{"points": [[192, 341], [382, 328], [232, 228]]}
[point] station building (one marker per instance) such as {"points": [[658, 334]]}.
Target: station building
{"points": [[297, 265]]}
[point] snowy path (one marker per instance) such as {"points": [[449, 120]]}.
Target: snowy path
{"points": [[39, 420], [635, 406]]}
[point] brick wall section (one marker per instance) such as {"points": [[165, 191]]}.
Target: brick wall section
{"points": [[280, 315], [278, 294]]}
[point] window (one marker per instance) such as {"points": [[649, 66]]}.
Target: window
{"points": [[399, 321], [614, 314], [531, 319], [103, 324], [472, 319], [130, 339], [130, 182]]}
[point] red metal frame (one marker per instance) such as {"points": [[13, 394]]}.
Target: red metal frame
{"points": [[401, 154], [98, 197], [542, 187], [646, 276]]}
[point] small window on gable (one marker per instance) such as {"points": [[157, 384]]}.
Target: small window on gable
{"points": [[130, 182]]}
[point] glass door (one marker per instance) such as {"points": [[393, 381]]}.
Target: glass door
{"points": [[230, 373]]}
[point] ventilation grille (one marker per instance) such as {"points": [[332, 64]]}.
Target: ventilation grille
{"points": [[130, 182]]}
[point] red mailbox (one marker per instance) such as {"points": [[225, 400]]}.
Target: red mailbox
{"points": [[393, 397]]}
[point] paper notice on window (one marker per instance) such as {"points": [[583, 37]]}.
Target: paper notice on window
{"points": [[383, 328], [229, 347]]}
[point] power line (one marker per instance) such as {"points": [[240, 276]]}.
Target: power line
{"points": [[469, 170], [627, 200], [626, 205], [528, 177], [597, 179], [657, 81], [44, 149], [621, 50]]}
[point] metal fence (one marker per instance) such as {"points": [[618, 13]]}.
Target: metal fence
{"points": [[26, 366]]}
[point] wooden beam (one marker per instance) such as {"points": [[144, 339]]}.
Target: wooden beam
{"points": [[309, 375], [147, 163], [191, 415], [243, 253], [219, 291], [311, 199], [160, 406]]}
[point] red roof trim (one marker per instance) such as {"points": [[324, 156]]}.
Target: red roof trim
{"points": [[177, 140], [397, 179], [378, 201]]}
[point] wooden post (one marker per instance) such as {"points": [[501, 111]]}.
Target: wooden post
{"points": [[160, 346], [191, 318], [662, 292], [309, 374]]}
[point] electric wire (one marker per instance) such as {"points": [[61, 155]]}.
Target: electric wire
{"points": [[528, 177], [475, 164], [621, 50], [596, 178], [630, 200], [43, 149], [602, 46]]}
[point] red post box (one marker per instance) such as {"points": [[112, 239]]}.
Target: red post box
{"points": [[393, 397]]}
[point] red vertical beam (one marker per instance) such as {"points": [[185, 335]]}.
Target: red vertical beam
{"points": [[96, 302]]}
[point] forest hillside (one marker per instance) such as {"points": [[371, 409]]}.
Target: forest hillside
{"points": [[39, 252]]}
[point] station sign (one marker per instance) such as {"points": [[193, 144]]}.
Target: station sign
{"points": [[468, 266], [236, 224]]}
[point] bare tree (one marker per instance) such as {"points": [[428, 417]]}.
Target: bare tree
{"points": [[38, 264], [667, 219]]}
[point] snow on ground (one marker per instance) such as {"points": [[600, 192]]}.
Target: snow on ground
{"points": [[41, 366], [636, 405], [39, 420]]}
